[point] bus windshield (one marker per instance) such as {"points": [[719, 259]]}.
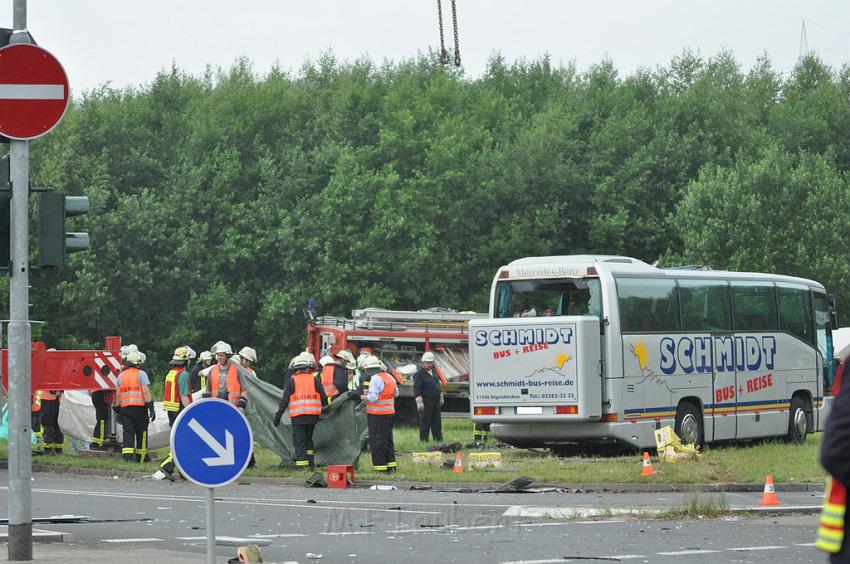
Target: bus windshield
{"points": [[548, 297]]}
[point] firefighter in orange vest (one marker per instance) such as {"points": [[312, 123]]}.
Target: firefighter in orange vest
{"points": [[305, 398], [54, 440], [177, 395], [134, 408], [832, 532], [334, 376], [225, 378], [380, 411]]}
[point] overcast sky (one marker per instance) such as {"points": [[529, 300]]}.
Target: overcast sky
{"points": [[124, 42]]}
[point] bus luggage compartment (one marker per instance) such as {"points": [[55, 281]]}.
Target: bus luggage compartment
{"points": [[535, 369]]}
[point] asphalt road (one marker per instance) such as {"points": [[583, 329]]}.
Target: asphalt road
{"points": [[358, 525]]}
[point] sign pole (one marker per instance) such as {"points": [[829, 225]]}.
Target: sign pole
{"points": [[20, 391], [210, 525]]}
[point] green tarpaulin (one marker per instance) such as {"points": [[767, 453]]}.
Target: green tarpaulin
{"points": [[339, 437]]}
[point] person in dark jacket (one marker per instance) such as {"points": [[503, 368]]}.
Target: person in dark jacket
{"points": [[305, 398], [835, 458], [428, 391]]}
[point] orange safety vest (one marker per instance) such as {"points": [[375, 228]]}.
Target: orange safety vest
{"points": [[171, 395], [386, 399], [305, 400], [234, 390], [47, 395], [328, 381], [831, 528], [129, 391], [396, 376]]}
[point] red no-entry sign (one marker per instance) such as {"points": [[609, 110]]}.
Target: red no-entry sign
{"points": [[33, 91]]}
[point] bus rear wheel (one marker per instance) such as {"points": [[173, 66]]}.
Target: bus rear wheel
{"points": [[798, 426], [689, 424]]}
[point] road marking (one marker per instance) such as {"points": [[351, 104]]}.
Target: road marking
{"points": [[571, 512], [231, 501], [623, 557], [276, 536], [545, 561], [748, 548], [804, 544], [561, 524], [343, 533], [149, 539], [687, 552]]}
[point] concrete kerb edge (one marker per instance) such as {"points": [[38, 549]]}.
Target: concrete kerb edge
{"points": [[646, 487]]}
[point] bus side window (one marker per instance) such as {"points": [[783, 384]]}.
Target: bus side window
{"points": [[754, 306], [795, 311], [648, 304]]}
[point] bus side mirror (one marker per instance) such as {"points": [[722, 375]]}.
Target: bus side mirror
{"points": [[833, 315]]}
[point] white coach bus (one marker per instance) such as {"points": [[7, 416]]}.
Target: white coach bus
{"points": [[609, 349]]}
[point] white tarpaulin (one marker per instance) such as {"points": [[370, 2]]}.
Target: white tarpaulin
{"points": [[841, 343], [76, 419]]}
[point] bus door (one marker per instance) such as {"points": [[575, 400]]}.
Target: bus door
{"points": [[725, 386], [707, 317], [760, 392]]}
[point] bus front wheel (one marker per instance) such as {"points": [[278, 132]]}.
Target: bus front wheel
{"points": [[798, 426], [689, 424]]}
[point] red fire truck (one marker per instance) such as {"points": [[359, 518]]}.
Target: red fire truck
{"points": [[399, 338]]}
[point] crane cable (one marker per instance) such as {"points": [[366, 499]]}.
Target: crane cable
{"points": [[444, 54]]}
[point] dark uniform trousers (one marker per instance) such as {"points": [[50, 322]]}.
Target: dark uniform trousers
{"points": [[134, 419], [302, 440], [101, 414], [430, 419], [54, 440], [381, 442], [168, 466]]}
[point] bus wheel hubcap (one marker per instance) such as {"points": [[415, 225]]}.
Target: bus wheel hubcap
{"points": [[690, 429], [800, 422]]}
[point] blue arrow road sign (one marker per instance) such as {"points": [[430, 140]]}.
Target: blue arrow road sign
{"points": [[211, 441]]}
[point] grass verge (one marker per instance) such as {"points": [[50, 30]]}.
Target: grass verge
{"points": [[742, 463]]}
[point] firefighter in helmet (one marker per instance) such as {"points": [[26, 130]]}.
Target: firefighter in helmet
{"points": [[305, 398], [380, 410], [176, 397], [134, 407]]}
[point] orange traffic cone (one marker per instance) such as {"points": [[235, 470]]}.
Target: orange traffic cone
{"points": [[646, 468], [769, 495], [458, 467]]}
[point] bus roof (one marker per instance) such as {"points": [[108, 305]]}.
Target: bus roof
{"points": [[580, 266]]}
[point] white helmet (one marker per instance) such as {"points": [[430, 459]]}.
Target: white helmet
{"points": [[371, 361], [143, 357], [127, 349], [325, 360], [428, 357], [303, 360], [181, 354], [249, 353], [192, 353], [205, 355], [347, 358], [134, 358], [221, 347]]}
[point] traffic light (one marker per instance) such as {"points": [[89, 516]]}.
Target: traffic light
{"points": [[54, 243], [5, 213]]}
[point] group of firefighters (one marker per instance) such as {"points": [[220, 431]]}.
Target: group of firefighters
{"points": [[307, 393]]}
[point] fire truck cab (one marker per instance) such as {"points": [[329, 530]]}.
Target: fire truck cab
{"points": [[399, 338]]}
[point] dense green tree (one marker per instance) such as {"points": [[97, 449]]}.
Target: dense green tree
{"points": [[222, 203]]}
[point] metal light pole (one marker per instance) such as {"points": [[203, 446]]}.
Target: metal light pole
{"points": [[20, 453]]}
